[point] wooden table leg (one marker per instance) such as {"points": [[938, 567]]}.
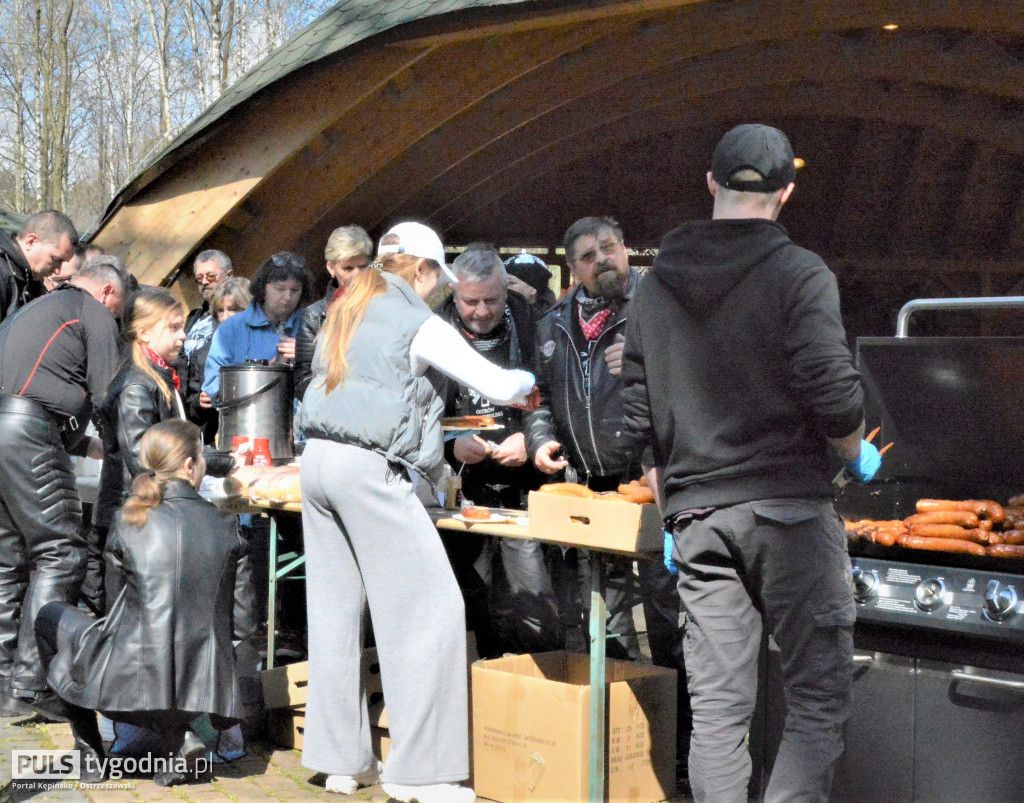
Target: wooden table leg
{"points": [[598, 617]]}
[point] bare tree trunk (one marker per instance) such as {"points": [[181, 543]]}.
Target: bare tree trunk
{"points": [[159, 26], [89, 89], [62, 106]]}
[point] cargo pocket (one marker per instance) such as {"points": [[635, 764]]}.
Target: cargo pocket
{"points": [[798, 514], [832, 646]]}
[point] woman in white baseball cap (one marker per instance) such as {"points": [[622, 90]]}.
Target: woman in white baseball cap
{"points": [[371, 415], [417, 240]]}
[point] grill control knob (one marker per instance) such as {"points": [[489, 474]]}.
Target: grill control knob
{"points": [[929, 593], [865, 584], [1000, 601]]}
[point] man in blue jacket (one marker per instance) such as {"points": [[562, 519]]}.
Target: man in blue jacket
{"points": [[737, 382]]}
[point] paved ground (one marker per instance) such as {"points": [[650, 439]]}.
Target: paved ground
{"points": [[266, 773]]}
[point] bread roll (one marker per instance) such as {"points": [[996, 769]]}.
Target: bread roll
{"points": [[277, 485], [568, 489], [237, 483]]}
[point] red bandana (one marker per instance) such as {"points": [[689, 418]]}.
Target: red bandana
{"points": [[160, 362], [593, 328], [336, 295]]}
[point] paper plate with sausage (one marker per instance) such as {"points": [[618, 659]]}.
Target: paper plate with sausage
{"points": [[469, 423]]}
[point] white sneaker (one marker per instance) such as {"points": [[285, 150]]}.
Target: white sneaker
{"points": [[348, 784], [434, 793]]}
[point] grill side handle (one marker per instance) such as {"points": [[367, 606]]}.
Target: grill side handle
{"points": [[981, 302], [985, 680]]}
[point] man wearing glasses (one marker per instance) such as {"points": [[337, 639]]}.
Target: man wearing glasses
{"points": [[578, 426], [210, 269]]}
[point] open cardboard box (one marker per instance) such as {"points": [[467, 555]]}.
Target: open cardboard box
{"points": [[609, 526], [531, 729]]}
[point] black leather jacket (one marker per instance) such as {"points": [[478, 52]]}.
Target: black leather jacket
{"points": [[193, 372], [181, 590], [17, 284], [583, 413], [311, 321], [133, 404], [489, 482]]}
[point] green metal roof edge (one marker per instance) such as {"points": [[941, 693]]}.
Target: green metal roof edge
{"points": [[11, 221], [344, 25]]}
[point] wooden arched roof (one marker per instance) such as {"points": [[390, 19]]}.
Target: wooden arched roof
{"points": [[507, 121]]}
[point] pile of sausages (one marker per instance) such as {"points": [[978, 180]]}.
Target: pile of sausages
{"points": [[970, 526]]}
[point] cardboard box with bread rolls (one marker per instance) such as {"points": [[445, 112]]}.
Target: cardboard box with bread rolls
{"points": [[607, 525]]}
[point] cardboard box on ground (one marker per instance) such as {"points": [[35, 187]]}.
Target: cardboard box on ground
{"points": [[531, 726], [284, 696]]}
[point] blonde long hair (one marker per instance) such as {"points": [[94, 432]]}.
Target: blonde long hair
{"points": [[148, 308], [163, 449], [345, 315]]}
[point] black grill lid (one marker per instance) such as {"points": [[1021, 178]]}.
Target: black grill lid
{"points": [[953, 406]]}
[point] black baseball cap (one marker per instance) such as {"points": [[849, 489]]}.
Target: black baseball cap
{"points": [[760, 148]]}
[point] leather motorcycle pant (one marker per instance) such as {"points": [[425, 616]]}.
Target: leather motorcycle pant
{"points": [[42, 552]]}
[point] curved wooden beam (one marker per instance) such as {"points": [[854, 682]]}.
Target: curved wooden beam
{"points": [[603, 55], [268, 174], [911, 106], [916, 68]]}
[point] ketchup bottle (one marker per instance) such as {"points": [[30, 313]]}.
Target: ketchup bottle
{"points": [[261, 452]]}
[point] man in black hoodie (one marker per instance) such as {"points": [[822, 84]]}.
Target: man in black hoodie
{"points": [[45, 241], [737, 380]]}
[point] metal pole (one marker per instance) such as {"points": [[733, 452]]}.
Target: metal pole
{"points": [[272, 594], [598, 616]]}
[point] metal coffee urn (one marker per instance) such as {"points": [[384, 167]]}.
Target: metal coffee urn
{"points": [[256, 401]]}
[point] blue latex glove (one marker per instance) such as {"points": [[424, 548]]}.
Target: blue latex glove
{"points": [[669, 546], [866, 466]]}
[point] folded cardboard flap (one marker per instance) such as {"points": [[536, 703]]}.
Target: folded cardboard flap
{"points": [[612, 526], [567, 667], [380, 740]]}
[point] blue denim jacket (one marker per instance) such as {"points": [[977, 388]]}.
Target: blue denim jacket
{"points": [[249, 335]]}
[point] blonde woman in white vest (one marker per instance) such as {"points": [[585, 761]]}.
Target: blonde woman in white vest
{"points": [[372, 415]]}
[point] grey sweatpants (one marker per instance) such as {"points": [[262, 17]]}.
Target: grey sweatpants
{"points": [[369, 539], [783, 562]]}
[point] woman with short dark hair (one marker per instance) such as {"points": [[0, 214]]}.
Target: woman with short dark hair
{"points": [[266, 330]]}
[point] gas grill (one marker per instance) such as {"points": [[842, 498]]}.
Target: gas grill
{"points": [[939, 640], [939, 691]]}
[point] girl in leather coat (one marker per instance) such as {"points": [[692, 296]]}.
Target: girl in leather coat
{"points": [[179, 583], [144, 392]]}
